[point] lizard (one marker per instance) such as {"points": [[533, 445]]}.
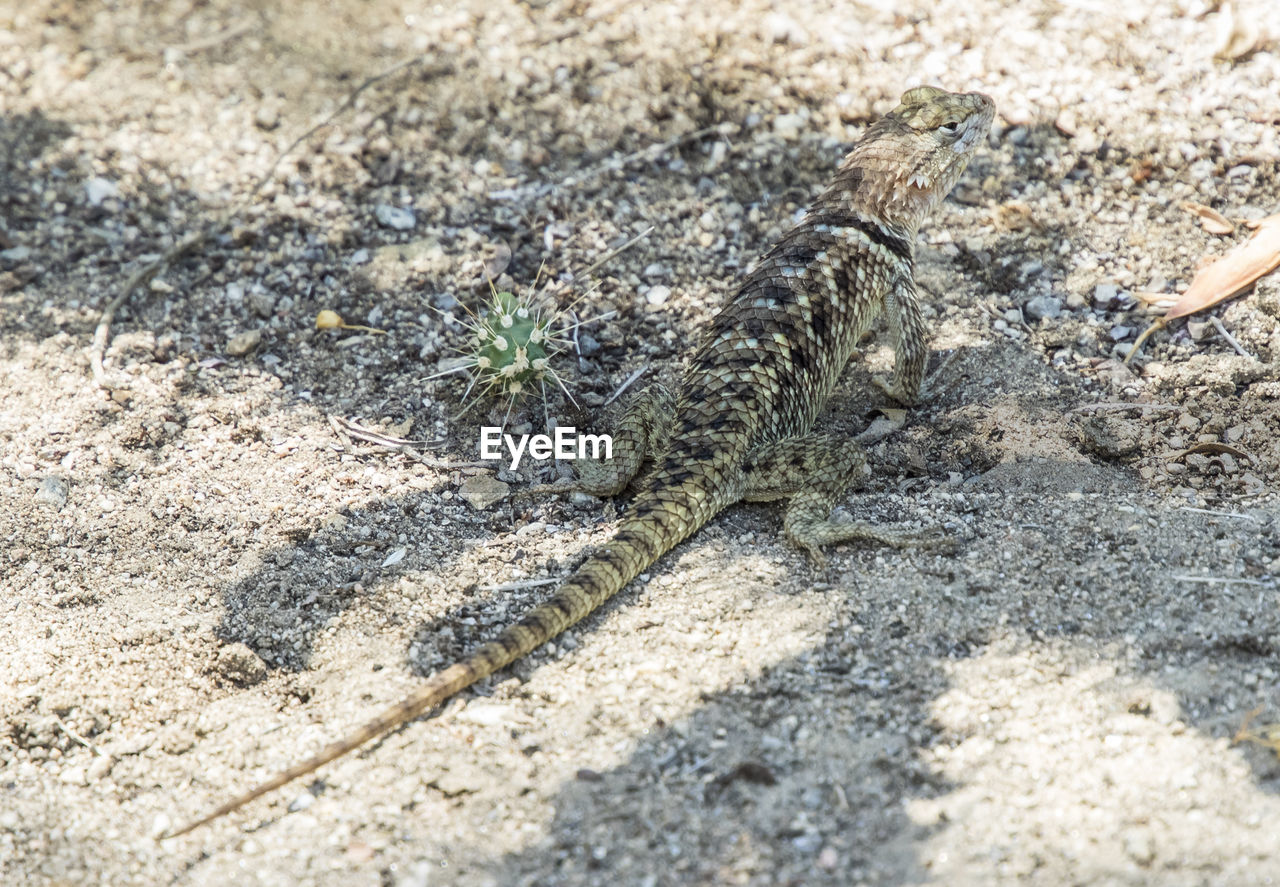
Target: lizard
{"points": [[740, 426]]}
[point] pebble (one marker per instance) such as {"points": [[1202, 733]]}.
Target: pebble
{"points": [[99, 189], [100, 767], [484, 714], [396, 217], [789, 126], [239, 664], [242, 343], [587, 344], [15, 255], [267, 116], [1104, 294], [73, 776], [1044, 308], [482, 490], [160, 824], [53, 492], [657, 295], [263, 303]]}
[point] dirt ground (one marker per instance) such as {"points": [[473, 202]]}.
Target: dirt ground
{"points": [[201, 580]]}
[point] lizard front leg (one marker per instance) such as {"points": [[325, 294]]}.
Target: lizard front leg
{"points": [[815, 471], [641, 431], [910, 341]]}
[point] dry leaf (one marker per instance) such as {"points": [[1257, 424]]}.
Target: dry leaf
{"points": [[1156, 300], [1210, 219], [1238, 35], [1257, 256], [1217, 449]]}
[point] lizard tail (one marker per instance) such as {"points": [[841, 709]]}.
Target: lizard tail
{"points": [[641, 539]]}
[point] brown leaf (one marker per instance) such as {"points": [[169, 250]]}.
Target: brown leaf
{"points": [[1210, 219], [1233, 272], [1216, 448], [1154, 299]]}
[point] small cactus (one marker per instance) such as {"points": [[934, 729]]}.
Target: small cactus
{"points": [[513, 344]]}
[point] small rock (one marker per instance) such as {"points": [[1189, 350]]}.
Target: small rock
{"points": [[1198, 329], [1120, 332], [267, 117], [73, 776], [52, 492], [15, 255], [788, 126], [1104, 294], [242, 344], [100, 767], [396, 217], [657, 295], [482, 490], [460, 779], [263, 303], [1138, 846], [239, 664], [99, 189], [587, 344], [1044, 308], [484, 714], [160, 825]]}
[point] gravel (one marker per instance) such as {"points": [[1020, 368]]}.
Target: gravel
{"points": [[200, 581]]}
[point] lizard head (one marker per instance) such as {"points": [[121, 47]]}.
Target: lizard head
{"points": [[911, 157]]}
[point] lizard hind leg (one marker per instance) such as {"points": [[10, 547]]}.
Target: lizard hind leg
{"points": [[642, 431], [814, 471]]}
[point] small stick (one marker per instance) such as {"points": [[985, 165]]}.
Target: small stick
{"points": [[345, 427], [1109, 407], [518, 586], [625, 385], [1211, 511], [213, 40], [76, 736], [1218, 580], [613, 253], [1222, 331]]}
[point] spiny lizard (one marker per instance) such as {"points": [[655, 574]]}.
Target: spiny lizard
{"points": [[740, 426]]}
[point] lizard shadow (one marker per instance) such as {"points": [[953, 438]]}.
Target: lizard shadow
{"points": [[805, 774]]}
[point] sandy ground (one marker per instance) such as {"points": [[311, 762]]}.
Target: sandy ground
{"points": [[200, 581]]}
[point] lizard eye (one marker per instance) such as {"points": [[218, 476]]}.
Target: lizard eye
{"points": [[950, 128]]}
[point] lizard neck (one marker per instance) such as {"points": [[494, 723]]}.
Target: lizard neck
{"points": [[876, 182]]}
